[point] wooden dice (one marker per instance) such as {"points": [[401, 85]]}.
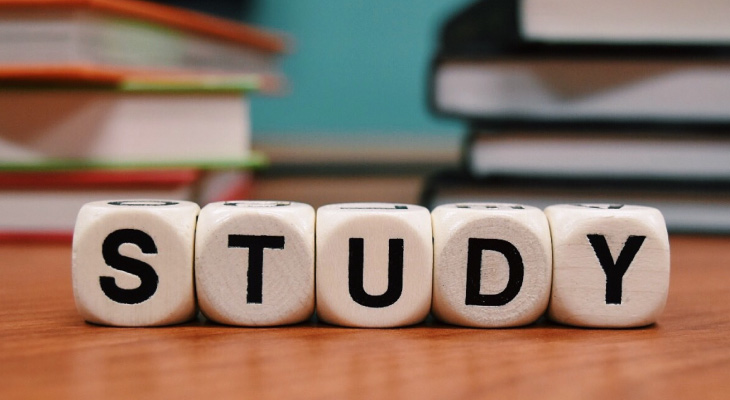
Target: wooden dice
{"points": [[610, 265], [253, 263], [374, 264], [133, 262], [492, 264]]}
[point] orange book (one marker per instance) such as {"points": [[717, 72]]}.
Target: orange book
{"points": [[108, 41]]}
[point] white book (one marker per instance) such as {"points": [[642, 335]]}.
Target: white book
{"points": [[137, 37], [600, 155], [682, 90], [127, 128], [626, 21], [45, 204], [53, 213]]}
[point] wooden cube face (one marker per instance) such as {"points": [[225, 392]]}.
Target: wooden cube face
{"points": [[492, 264], [611, 265], [374, 264], [132, 262], [254, 262]]}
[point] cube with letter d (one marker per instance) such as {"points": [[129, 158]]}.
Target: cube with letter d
{"points": [[492, 264]]}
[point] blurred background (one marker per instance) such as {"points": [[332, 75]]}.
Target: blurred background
{"points": [[354, 68], [571, 104], [429, 102], [352, 123]]}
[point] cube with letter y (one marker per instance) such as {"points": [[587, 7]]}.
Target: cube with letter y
{"points": [[254, 262], [132, 262], [374, 264], [610, 265]]}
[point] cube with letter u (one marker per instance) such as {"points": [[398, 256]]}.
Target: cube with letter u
{"points": [[374, 264]]}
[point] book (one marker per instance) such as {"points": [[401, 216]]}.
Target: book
{"points": [[629, 21], [600, 154], [119, 38], [223, 185], [583, 90], [48, 209], [43, 205], [687, 206], [620, 117], [123, 99], [487, 70], [494, 26], [321, 188], [359, 153], [346, 168], [141, 127]]}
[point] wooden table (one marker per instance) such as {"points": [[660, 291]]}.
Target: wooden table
{"points": [[49, 352]]}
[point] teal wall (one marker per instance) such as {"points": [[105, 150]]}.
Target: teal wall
{"points": [[356, 66]]}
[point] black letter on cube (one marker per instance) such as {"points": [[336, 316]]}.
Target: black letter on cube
{"points": [[474, 272], [255, 273], [147, 275], [615, 272], [395, 274]]}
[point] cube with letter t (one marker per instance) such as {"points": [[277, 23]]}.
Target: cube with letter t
{"points": [[254, 262], [132, 262], [611, 265], [374, 264]]}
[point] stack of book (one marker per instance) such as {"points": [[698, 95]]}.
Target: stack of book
{"points": [[122, 99], [590, 101]]}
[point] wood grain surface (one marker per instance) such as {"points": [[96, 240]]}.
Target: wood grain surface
{"points": [[47, 351]]}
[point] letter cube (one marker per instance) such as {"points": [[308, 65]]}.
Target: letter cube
{"points": [[254, 262], [132, 262], [492, 264], [610, 265], [374, 264]]}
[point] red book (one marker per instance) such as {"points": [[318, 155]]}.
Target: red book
{"points": [[43, 205]]}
